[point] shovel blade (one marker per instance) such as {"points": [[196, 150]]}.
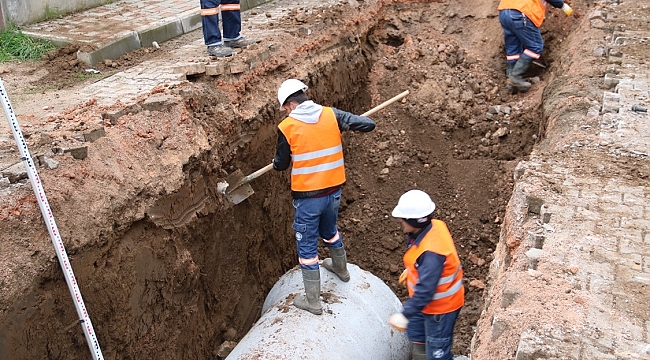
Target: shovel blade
{"points": [[239, 192]]}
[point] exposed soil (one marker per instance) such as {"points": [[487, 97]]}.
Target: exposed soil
{"points": [[195, 276]]}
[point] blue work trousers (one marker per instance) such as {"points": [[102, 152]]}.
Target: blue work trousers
{"points": [[520, 35], [314, 217], [436, 331], [231, 23]]}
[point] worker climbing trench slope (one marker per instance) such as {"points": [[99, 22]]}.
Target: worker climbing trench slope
{"points": [[163, 257]]}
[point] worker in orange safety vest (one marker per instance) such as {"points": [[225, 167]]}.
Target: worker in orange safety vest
{"points": [[309, 139], [433, 277], [520, 21]]}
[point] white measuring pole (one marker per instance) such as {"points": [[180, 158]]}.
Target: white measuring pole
{"points": [[61, 254]]}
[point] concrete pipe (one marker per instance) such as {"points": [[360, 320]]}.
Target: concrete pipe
{"points": [[353, 324]]}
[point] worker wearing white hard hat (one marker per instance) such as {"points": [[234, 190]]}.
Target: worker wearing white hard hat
{"points": [[309, 140], [433, 277]]}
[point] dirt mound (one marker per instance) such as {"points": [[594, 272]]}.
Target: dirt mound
{"points": [[64, 70]]}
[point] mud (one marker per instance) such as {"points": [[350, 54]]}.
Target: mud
{"points": [[162, 258]]}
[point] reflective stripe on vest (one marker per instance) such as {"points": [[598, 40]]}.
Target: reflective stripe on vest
{"points": [[535, 10], [450, 292], [316, 152], [444, 280], [453, 289], [317, 168]]}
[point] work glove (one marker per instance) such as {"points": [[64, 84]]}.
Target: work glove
{"points": [[402, 277], [398, 321], [567, 9]]}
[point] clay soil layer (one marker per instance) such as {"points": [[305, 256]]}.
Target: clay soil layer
{"points": [[167, 267]]}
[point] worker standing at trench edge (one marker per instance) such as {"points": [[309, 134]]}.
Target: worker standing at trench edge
{"points": [[433, 277], [520, 21], [309, 139], [217, 45]]}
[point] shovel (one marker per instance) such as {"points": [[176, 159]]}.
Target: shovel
{"points": [[236, 187]]}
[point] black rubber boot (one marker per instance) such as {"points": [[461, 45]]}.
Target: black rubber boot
{"points": [[338, 264], [311, 300], [515, 79], [509, 66], [419, 352]]}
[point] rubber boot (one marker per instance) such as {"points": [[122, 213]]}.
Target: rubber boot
{"points": [[509, 66], [419, 352], [515, 79], [311, 300], [338, 264]]}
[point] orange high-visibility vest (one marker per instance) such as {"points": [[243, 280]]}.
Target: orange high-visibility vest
{"points": [[535, 10], [450, 293], [316, 152]]}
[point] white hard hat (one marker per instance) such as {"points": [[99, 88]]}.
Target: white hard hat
{"points": [[289, 87], [414, 204]]}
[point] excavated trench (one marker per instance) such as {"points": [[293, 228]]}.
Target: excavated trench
{"points": [[189, 279]]}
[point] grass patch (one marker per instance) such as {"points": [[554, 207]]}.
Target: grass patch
{"points": [[14, 45], [38, 89], [84, 75], [52, 13]]}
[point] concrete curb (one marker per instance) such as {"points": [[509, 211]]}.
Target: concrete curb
{"points": [[159, 32]]}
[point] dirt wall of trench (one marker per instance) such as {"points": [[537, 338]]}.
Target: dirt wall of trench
{"points": [[160, 257], [522, 303]]}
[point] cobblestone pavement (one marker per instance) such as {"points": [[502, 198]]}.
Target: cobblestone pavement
{"points": [[108, 23], [123, 19]]}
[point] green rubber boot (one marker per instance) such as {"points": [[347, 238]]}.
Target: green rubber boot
{"points": [[509, 66], [338, 263], [419, 352], [311, 300], [515, 79]]}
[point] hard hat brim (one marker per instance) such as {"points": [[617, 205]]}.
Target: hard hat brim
{"points": [[398, 213]]}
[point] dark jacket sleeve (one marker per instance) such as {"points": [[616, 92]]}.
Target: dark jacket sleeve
{"points": [[348, 121], [430, 267], [556, 3], [282, 158]]}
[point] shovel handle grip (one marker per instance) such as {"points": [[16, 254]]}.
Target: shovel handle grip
{"points": [[385, 103], [257, 173]]}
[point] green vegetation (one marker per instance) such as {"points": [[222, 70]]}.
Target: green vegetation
{"points": [[52, 13], [84, 75], [14, 45]]}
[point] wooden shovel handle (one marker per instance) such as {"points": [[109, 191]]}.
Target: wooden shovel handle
{"points": [[385, 103], [268, 167], [254, 175]]}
